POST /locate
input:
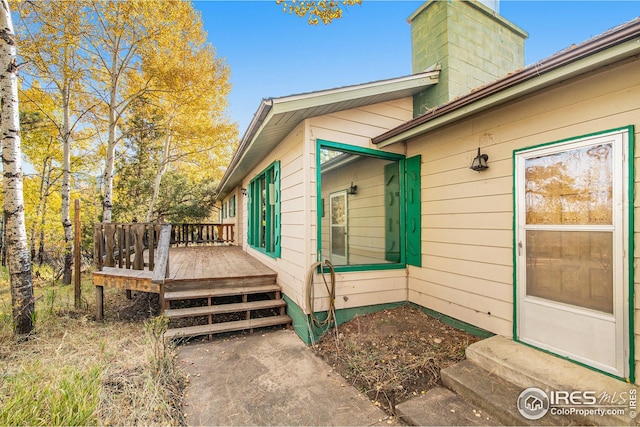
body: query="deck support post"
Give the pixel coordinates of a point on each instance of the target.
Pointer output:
(278, 296)
(162, 301)
(99, 302)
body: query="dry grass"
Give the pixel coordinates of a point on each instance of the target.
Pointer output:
(75, 371)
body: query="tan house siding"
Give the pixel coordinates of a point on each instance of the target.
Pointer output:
(467, 217)
(236, 219)
(291, 265)
(358, 126)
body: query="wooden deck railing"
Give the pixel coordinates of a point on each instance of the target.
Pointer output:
(124, 245)
(195, 234)
(144, 247)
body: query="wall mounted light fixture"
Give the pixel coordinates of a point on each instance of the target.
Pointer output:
(479, 163)
(353, 189)
(243, 191)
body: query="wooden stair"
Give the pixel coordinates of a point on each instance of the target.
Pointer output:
(227, 309)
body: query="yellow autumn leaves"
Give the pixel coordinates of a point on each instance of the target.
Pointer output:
(316, 11)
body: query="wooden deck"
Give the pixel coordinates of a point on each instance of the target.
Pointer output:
(213, 262)
(217, 265)
(240, 292)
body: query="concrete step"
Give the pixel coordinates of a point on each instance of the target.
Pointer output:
(495, 396)
(216, 328)
(220, 292)
(441, 407)
(526, 367)
(177, 313)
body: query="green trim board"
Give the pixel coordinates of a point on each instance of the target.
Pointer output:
(357, 150)
(631, 196)
(299, 320)
(302, 321)
(630, 245)
(364, 267)
(413, 209)
(452, 321)
(514, 246)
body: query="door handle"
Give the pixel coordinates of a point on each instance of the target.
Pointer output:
(519, 248)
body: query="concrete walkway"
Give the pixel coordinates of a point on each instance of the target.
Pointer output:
(269, 378)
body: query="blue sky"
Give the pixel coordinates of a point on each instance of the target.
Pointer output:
(271, 53)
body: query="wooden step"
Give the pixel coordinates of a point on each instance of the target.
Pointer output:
(223, 308)
(219, 292)
(216, 328)
(203, 283)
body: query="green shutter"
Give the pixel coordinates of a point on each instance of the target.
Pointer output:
(250, 219)
(413, 228)
(392, 212)
(276, 208)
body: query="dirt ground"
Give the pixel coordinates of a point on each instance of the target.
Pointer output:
(395, 354)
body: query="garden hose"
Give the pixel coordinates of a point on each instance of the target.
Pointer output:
(331, 291)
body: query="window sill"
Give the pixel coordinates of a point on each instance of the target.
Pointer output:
(263, 251)
(365, 267)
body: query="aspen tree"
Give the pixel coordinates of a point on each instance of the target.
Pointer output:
(51, 46)
(18, 259)
(189, 95)
(123, 29)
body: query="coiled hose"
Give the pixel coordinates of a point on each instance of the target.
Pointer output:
(316, 324)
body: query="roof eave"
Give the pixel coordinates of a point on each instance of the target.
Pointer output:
(256, 123)
(609, 48)
(273, 106)
(296, 102)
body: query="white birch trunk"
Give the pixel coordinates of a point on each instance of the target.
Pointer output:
(18, 261)
(164, 162)
(43, 218)
(107, 203)
(39, 209)
(66, 184)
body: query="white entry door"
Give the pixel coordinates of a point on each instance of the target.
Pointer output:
(338, 227)
(571, 256)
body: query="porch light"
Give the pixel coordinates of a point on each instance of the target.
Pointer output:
(243, 191)
(353, 189)
(480, 162)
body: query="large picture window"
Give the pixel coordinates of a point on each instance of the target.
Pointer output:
(361, 207)
(264, 211)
